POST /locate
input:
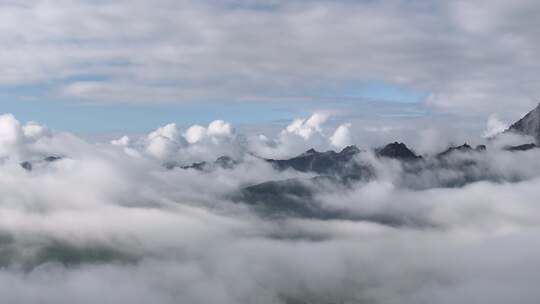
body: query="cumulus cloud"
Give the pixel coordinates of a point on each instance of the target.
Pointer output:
(306, 128)
(11, 133)
(18, 140)
(164, 142)
(219, 138)
(122, 141)
(34, 131)
(301, 134)
(195, 133)
(219, 128)
(342, 136)
(215, 130)
(196, 143)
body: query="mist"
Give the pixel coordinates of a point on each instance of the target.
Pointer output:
(112, 223)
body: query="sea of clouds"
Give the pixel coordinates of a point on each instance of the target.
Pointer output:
(109, 223)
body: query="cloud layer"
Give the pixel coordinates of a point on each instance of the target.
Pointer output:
(478, 57)
(110, 223)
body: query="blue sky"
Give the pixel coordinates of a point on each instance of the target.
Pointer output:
(37, 104)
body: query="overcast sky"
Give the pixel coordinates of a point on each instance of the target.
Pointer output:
(101, 66)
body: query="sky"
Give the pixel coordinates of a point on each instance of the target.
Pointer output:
(145, 151)
(98, 66)
(90, 117)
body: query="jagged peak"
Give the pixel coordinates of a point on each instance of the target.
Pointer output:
(309, 152)
(465, 147)
(528, 124)
(225, 162)
(397, 150)
(350, 150)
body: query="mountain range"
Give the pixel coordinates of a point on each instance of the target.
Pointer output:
(336, 171)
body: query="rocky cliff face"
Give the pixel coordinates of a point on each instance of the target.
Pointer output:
(528, 125)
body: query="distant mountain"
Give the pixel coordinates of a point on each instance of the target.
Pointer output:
(326, 163)
(29, 165)
(290, 197)
(340, 163)
(528, 124)
(334, 172)
(524, 147)
(298, 198)
(463, 148)
(397, 151)
(223, 162)
(337, 171)
(295, 197)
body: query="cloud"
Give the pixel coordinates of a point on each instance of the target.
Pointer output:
(11, 133)
(122, 141)
(342, 136)
(18, 140)
(216, 129)
(163, 142)
(300, 135)
(219, 138)
(494, 126)
(470, 58)
(306, 128)
(195, 133)
(197, 143)
(109, 223)
(96, 217)
(219, 128)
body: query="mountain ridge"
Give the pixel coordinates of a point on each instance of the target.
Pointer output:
(528, 124)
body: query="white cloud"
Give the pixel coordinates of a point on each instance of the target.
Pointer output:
(196, 143)
(307, 128)
(494, 126)
(195, 133)
(33, 130)
(219, 128)
(472, 58)
(11, 134)
(342, 136)
(72, 229)
(122, 141)
(19, 141)
(216, 129)
(164, 142)
(300, 135)
(168, 131)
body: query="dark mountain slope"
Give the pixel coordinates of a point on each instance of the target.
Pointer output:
(328, 163)
(397, 151)
(528, 124)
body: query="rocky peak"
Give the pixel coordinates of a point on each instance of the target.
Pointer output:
(528, 124)
(463, 148)
(398, 151)
(225, 162)
(350, 150)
